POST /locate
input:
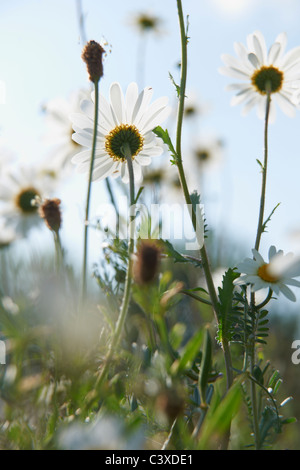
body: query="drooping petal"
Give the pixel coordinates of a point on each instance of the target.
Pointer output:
(287, 292)
(117, 102)
(130, 101)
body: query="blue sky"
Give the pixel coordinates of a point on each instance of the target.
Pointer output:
(40, 60)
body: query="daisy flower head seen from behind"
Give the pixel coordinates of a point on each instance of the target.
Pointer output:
(19, 188)
(276, 274)
(123, 121)
(263, 70)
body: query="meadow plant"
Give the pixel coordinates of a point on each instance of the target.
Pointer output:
(134, 352)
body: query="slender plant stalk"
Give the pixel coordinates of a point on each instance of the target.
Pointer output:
(128, 281)
(260, 229)
(113, 201)
(80, 16)
(260, 226)
(58, 252)
(85, 249)
(203, 253)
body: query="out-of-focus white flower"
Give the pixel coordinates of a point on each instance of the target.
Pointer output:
(207, 153)
(107, 433)
(7, 234)
(128, 120)
(9, 305)
(276, 274)
(260, 69)
(59, 128)
(18, 189)
(146, 22)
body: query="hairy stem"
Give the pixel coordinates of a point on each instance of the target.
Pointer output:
(87, 208)
(203, 253)
(260, 229)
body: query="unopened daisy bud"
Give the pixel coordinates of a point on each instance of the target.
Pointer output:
(49, 210)
(92, 56)
(147, 262)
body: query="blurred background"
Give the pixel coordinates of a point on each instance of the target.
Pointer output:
(41, 44)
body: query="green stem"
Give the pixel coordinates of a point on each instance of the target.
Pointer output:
(260, 229)
(113, 201)
(58, 252)
(85, 249)
(260, 224)
(254, 400)
(203, 253)
(127, 288)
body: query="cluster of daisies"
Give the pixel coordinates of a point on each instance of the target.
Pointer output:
(130, 119)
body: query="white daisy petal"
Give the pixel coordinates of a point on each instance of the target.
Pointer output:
(128, 120)
(130, 100)
(143, 160)
(274, 53)
(101, 172)
(253, 59)
(285, 104)
(117, 102)
(141, 104)
(287, 292)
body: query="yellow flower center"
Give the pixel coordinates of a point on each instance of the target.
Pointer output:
(24, 200)
(120, 135)
(264, 273)
(271, 75)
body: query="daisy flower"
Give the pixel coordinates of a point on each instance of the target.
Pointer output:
(276, 274)
(18, 190)
(259, 69)
(128, 119)
(7, 234)
(208, 151)
(59, 128)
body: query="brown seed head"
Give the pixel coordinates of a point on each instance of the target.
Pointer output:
(170, 403)
(147, 262)
(49, 210)
(92, 56)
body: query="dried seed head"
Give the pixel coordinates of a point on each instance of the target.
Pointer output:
(170, 403)
(147, 262)
(49, 210)
(92, 56)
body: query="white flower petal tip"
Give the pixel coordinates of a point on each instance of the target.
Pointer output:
(125, 121)
(276, 274)
(256, 67)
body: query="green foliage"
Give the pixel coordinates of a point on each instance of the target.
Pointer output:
(229, 316)
(164, 135)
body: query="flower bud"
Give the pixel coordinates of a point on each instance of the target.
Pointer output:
(92, 56)
(147, 262)
(49, 210)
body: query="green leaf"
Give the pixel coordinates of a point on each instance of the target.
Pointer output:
(164, 135)
(177, 87)
(171, 252)
(220, 414)
(227, 320)
(205, 367)
(268, 421)
(191, 350)
(264, 226)
(258, 375)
